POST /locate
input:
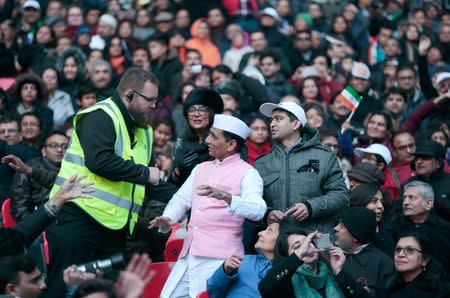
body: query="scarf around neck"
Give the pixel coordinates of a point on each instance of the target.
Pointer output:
(308, 285)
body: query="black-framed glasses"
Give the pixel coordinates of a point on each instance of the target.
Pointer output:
(201, 111)
(63, 146)
(408, 250)
(150, 99)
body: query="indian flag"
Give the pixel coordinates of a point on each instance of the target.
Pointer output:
(350, 97)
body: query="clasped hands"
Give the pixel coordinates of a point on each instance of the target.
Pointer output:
(298, 213)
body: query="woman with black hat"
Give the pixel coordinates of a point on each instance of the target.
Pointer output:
(199, 108)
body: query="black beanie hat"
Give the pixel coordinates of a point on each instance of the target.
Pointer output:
(360, 222)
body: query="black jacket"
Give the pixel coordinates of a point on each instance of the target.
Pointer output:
(166, 72)
(278, 281)
(425, 285)
(370, 268)
(28, 192)
(440, 182)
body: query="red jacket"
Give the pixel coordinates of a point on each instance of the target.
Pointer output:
(232, 5)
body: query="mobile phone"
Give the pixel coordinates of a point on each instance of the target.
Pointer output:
(196, 68)
(323, 242)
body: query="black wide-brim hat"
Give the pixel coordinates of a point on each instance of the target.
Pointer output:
(206, 97)
(430, 149)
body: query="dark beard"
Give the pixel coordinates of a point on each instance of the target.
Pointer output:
(140, 119)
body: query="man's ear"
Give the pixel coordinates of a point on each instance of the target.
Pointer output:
(10, 289)
(232, 146)
(297, 125)
(429, 204)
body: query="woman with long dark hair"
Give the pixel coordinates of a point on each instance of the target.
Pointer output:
(297, 270)
(29, 94)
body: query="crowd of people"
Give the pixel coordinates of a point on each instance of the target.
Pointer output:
(304, 145)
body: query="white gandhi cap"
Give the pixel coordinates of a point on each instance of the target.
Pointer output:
(231, 124)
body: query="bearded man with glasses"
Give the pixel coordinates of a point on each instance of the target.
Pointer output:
(112, 145)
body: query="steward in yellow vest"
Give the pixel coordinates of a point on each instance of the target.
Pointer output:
(112, 145)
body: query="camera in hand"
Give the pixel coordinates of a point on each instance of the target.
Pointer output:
(115, 262)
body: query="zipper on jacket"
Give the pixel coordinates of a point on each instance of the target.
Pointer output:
(288, 183)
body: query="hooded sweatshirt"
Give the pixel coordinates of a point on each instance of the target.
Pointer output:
(209, 52)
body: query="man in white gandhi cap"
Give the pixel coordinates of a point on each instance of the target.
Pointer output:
(221, 194)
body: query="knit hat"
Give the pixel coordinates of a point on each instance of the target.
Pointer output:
(360, 70)
(367, 173)
(306, 18)
(360, 222)
(203, 96)
(110, 20)
(230, 87)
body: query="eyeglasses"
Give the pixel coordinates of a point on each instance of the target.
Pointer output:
(30, 124)
(8, 131)
(201, 111)
(63, 146)
(150, 99)
(407, 250)
(405, 147)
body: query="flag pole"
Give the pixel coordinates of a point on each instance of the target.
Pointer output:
(351, 115)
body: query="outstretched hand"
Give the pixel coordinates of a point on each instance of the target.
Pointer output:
(71, 189)
(209, 191)
(17, 164)
(424, 45)
(162, 222)
(137, 275)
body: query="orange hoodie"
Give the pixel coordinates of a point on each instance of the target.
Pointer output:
(210, 53)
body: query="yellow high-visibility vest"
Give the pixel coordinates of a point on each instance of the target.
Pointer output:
(114, 203)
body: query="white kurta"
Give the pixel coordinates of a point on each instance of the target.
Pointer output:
(189, 275)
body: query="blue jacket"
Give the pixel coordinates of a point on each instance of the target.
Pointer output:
(243, 282)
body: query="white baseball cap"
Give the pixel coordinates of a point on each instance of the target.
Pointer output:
(267, 108)
(442, 77)
(269, 11)
(231, 124)
(379, 149)
(31, 4)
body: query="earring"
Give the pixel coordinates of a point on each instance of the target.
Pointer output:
(424, 266)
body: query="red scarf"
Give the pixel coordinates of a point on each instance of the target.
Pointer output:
(255, 151)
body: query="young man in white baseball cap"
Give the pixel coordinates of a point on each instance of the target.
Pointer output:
(302, 178)
(221, 194)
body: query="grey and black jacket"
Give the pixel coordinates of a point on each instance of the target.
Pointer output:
(308, 173)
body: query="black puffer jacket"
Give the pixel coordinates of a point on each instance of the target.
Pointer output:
(27, 192)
